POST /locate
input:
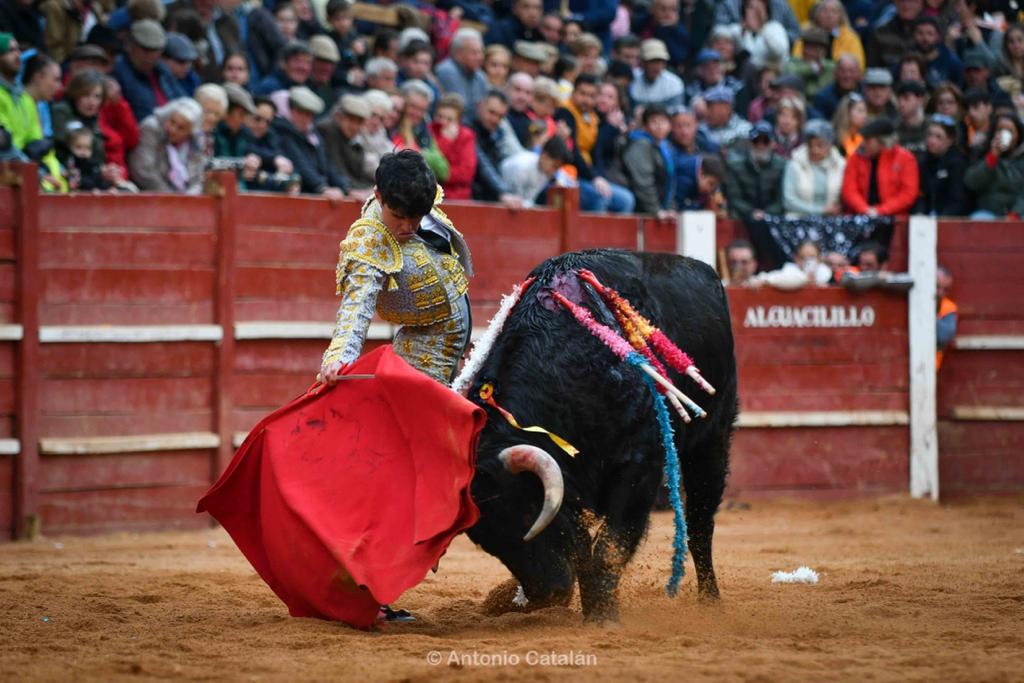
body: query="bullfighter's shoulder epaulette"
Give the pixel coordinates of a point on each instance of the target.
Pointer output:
(369, 241)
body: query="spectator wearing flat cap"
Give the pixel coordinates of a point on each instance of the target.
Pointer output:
(881, 178)
(325, 61)
(65, 23)
(710, 70)
(813, 68)
(911, 125)
(295, 68)
(88, 57)
(814, 174)
(530, 58)
(878, 95)
(722, 125)
(231, 138)
(754, 184)
(340, 135)
(978, 75)
(300, 142)
(656, 84)
(145, 81)
(179, 57)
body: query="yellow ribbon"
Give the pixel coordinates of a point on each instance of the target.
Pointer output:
(487, 396)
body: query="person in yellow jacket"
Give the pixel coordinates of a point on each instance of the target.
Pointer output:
(18, 114)
(830, 15)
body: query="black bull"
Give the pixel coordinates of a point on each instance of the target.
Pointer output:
(547, 370)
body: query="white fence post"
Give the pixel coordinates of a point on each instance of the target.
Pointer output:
(695, 235)
(924, 445)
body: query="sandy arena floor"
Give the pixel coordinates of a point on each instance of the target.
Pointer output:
(909, 591)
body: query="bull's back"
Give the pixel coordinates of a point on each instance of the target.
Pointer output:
(683, 297)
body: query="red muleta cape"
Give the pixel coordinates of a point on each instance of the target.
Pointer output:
(346, 497)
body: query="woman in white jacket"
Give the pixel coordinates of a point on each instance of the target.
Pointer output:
(763, 37)
(814, 175)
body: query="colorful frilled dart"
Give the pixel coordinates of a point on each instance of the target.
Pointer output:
(621, 348)
(641, 332)
(673, 473)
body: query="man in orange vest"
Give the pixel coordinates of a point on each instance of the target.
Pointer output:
(947, 313)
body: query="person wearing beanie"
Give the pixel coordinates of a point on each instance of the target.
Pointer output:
(881, 178)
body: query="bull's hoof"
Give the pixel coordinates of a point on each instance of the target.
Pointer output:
(607, 617)
(708, 593)
(501, 599)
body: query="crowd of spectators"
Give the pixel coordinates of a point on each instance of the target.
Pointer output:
(744, 107)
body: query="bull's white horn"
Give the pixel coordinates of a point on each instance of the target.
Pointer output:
(525, 458)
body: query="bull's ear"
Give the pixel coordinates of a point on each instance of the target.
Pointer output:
(527, 458)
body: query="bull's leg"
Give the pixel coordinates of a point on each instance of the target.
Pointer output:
(704, 483)
(555, 590)
(615, 541)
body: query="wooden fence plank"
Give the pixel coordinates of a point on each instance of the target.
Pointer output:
(97, 472)
(26, 464)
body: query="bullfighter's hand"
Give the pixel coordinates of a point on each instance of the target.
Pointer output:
(329, 374)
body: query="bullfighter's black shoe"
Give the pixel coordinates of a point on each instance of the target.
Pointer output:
(399, 615)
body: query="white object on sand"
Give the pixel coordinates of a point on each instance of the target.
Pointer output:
(801, 575)
(520, 599)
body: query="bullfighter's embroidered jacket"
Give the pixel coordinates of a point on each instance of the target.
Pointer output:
(409, 284)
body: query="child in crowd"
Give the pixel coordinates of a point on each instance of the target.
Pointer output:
(83, 172)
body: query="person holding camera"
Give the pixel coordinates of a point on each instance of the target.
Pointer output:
(996, 179)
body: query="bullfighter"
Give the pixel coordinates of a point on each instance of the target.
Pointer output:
(403, 258)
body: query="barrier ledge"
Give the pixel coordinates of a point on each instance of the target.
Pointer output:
(130, 334)
(988, 413)
(836, 418)
(141, 443)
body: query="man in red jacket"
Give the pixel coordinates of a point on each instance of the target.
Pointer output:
(881, 179)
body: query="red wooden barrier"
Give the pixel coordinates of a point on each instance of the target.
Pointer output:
(220, 268)
(820, 351)
(981, 382)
